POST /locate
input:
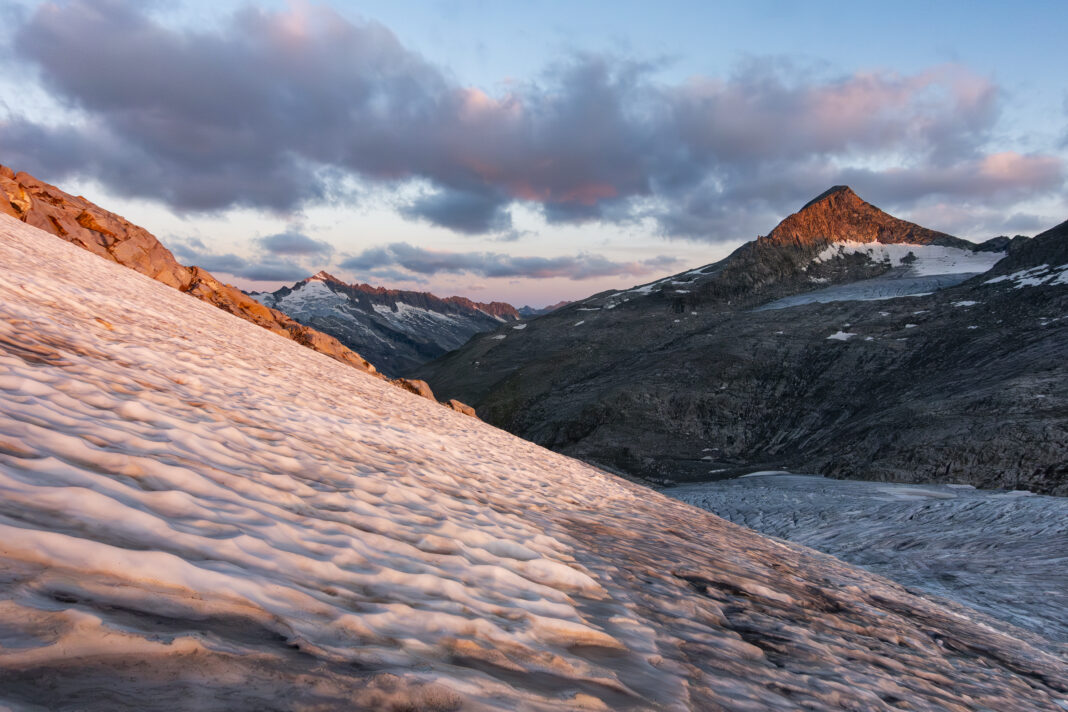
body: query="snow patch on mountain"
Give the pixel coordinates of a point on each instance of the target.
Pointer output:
(915, 270)
(922, 260)
(1042, 275)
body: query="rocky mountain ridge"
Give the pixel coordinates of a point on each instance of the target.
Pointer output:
(891, 352)
(81, 222)
(795, 256)
(398, 330)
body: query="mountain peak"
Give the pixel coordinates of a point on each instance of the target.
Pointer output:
(841, 191)
(840, 215)
(324, 276)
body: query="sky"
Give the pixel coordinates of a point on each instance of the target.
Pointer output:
(530, 152)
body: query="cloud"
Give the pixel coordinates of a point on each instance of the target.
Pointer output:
(422, 261)
(266, 269)
(979, 223)
(472, 213)
(294, 243)
(275, 109)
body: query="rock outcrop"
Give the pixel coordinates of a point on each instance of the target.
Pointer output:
(112, 237)
(79, 221)
(791, 354)
(461, 407)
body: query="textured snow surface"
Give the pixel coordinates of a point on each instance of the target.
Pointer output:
(1005, 553)
(198, 514)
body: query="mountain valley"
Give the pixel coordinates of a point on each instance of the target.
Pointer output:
(846, 343)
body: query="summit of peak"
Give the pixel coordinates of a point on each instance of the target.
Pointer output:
(840, 215)
(841, 191)
(324, 276)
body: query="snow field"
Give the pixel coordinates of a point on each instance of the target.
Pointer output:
(930, 260)
(295, 498)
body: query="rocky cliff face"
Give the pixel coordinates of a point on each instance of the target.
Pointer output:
(398, 330)
(815, 349)
(840, 215)
(112, 237)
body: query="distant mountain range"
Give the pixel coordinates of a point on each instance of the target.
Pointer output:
(527, 311)
(846, 342)
(396, 330)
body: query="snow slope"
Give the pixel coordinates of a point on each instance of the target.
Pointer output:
(198, 514)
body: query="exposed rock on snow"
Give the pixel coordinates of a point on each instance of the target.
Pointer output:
(227, 521)
(1034, 276)
(918, 260)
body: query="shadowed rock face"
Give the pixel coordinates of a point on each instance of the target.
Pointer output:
(238, 545)
(1048, 249)
(694, 376)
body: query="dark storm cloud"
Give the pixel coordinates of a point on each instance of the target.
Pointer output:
(271, 110)
(493, 264)
(466, 212)
(294, 243)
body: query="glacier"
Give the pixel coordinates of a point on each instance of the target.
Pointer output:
(1004, 552)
